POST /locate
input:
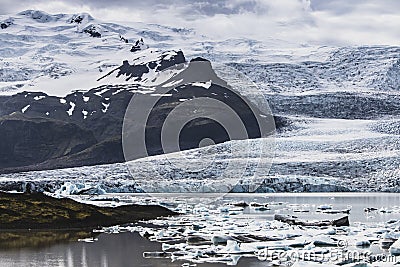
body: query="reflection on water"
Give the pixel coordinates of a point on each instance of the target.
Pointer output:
(38, 239)
(47, 248)
(117, 250)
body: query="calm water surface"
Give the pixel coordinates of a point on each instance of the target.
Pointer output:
(126, 249)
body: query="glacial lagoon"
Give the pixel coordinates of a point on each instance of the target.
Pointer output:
(373, 216)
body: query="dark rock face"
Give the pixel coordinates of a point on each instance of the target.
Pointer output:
(83, 128)
(26, 141)
(38, 131)
(139, 45)
(46, 136)
(196, 130)
(123, 39)
(92, 31)
(132, 70)
(108, 151)
(135, 72)
(5, 24)
(171, 61)
(78, 19)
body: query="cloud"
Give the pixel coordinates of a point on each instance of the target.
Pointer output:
(316, 22)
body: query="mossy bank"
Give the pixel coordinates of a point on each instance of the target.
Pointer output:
(38, 211)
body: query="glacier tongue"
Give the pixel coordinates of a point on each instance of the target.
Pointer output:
(309, 158)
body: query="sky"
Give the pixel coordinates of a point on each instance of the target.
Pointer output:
(314, 22)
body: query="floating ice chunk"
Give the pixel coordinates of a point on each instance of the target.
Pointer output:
(223, 209)
(363, 243)
(395, 248)
(200, 209)
(391, 235)
(264, 208)
(231, 247)
(332, 211)
(236, 209)
(325, 207)
(85, 98)
(63, 101)
(386, 242)
(155, 255)
(87, 240)
(329, 231)
(197, 240)
(309, 247)
(165, 246)
(113, 230)
(325, 241)
(162, 233)
(220, 239)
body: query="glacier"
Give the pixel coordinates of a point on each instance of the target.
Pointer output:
(341, 104)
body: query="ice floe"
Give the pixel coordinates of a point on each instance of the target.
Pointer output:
(225, 233)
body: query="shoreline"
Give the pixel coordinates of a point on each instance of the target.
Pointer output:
(40, 212)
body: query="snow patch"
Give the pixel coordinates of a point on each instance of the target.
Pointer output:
(71, 110)
(205, 85)
(99, 93)
(85, 113)
(39, 97)
(24, 109)
(105, 105)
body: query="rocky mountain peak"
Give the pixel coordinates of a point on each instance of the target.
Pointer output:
(80, 18)
(139, 46)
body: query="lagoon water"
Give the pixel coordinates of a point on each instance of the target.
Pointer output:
(126, 249)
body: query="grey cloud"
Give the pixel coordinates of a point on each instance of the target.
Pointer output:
(202, 7)
(340, 7)
(322, 22)
(211, 8)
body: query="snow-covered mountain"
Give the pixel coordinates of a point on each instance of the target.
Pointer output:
(59, 53)
(337, 108)
(41, 51)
